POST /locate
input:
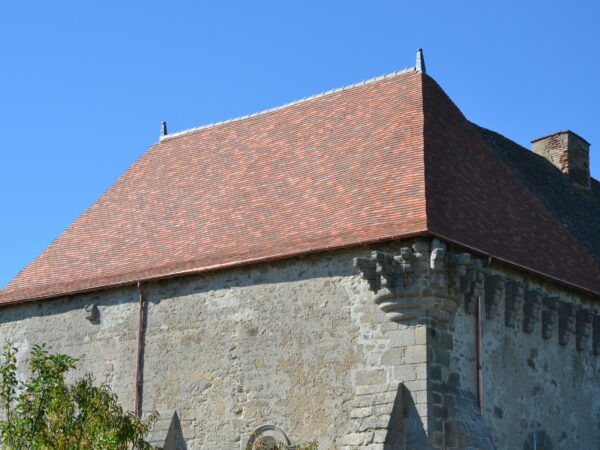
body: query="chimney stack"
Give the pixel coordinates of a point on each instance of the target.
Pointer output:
(569, 152)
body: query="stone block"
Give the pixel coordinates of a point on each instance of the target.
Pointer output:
(393, 357)
(353, 439)
(380, 399)
(382, 410)
(374, 423)
(361, 413)
(420, 335)
(373, 447)
(388, 326)
(435, 373)
(406, 372)
(374, 399)
(442, 357)
(403, 337)
(417, 385)
(379, 436)
(376, 388)
(369, 377)
(416, 354)
(420, 396)
(421, 370)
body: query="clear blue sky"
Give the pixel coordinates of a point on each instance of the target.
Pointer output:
(85, 85)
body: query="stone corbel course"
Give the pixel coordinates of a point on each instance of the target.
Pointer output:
(515, 294)
(494, 293)
(531, 309)
(549, 314)
(422, 281)
(426, 281)
(583, 328)
(596, 335)
(566, 322)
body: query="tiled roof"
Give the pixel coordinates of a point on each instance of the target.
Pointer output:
(479, 199)
(326, 172)
(577, 210)
(377, 161)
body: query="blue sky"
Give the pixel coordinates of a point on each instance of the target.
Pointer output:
(85, 85)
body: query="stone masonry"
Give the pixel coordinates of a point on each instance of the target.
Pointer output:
(370, 348)
(538, 351)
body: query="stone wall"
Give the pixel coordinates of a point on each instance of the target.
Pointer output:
(539, 348)
(540, 375)
(359, 350)
(234, 350)
(106, 348)
(286, 343)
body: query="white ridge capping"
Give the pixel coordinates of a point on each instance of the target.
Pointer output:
(286, 105)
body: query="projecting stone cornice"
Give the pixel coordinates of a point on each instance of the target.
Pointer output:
(425, 280)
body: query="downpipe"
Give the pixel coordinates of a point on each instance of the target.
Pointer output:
(478, 345)
(139, 351)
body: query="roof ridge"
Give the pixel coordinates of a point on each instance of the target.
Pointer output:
(286, 105)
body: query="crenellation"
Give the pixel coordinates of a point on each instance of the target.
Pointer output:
(515, 294)
(494, 294)
(459, 264)
(406, 266)
(421, 256)
(411, 285)
(388, 270)
(425, 281)
(549, 316)
(566, 322)
(596, 334)
(368, 270)
(583, 328)
(438, 264)
(531, 309)
(419, 281)
(475, 280)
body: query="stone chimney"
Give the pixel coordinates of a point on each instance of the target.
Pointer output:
(569, 152)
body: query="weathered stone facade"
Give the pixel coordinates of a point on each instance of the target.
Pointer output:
(538, 350)
(358, 349)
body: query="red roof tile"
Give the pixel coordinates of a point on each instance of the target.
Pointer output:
(336, 170)
(377, 161)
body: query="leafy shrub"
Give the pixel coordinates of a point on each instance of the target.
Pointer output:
(43, 412)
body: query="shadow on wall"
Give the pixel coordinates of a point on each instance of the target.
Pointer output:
(405, 428)
(167, 434)
(336, 264)
(459, 426)
(538, 440)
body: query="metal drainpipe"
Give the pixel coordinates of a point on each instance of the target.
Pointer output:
(478, 339)
(140, 348)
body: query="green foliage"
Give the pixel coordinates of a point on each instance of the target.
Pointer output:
(43, 412)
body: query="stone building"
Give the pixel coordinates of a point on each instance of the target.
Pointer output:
(364, 267)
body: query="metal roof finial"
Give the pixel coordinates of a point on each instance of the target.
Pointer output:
(163, 129)
(420, 61)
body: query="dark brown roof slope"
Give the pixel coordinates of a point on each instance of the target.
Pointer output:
(378, 161)
(476, 199)
(577, 210)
